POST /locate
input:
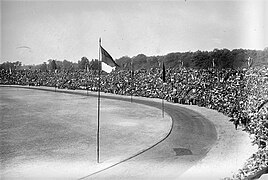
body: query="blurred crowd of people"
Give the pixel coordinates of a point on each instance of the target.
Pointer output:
(256, 109)
(241, 94)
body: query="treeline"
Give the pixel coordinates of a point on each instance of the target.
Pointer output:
(52, 65)
(222, 58)
(219, 58)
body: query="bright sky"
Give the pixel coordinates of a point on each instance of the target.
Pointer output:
(35, 31)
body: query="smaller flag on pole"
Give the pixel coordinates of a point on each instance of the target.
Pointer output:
(87, 67)
(250, 62)
(132, 69)
(108, 64)
(213, 63)
(164, 73)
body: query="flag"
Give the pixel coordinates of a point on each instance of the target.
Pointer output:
(250, 62)
(108, 64)
(132, 69)
(164, 73)
(213, 63)
(87, 67)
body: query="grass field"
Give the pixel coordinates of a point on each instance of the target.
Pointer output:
(53, 135)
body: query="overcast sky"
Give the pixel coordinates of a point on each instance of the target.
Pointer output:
(35, 31)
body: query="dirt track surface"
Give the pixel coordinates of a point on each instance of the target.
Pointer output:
(191, 138)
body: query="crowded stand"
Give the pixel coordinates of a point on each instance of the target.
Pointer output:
(241, 94)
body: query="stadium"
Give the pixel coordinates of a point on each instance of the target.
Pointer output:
(134, 90)
(177, 143)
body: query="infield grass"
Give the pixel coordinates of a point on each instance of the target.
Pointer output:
(48, 135)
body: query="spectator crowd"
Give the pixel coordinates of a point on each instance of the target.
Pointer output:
(241, 94)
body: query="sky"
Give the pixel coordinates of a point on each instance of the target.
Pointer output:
(34, 31)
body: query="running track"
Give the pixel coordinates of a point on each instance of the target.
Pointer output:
(166, 160)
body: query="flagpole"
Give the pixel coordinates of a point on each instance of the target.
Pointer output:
(163, 81)
(132, 74)
(98, 122)
(131, 95)
(163, 100)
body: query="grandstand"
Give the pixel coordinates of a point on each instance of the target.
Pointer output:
(240, 94)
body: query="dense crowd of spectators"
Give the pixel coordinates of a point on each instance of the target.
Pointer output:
(256, 109)
(241, 94)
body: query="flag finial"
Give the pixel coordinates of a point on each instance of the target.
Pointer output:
(100, 40)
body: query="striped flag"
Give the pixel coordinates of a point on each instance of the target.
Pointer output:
(108, 64)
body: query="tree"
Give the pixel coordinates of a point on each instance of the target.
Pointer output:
(83, 63)
(94, 64)
(139, 61)
(239, 57)
(124, 62)
(152, 61)
(173, 59)
(66, 65)
(43, 67)
(202, 59)
(17, 64)
(53, 65)
(226, 59)
(187, 59)
(11, 65)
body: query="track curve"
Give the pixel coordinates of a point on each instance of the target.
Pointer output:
(190, 139)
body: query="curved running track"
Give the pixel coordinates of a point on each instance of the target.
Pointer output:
(190, 139)
(191, 132)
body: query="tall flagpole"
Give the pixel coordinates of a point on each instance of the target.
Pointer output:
(98, 123)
